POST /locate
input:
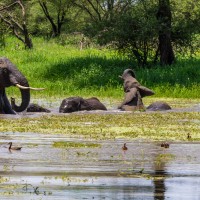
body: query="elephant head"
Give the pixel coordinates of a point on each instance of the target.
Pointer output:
(73, 104)
(11, 76)
(134, 91)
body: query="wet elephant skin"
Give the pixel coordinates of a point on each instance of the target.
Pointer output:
(73, 104)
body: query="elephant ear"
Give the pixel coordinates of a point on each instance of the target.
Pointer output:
(144, 91)
(130, 95)
(79, 102)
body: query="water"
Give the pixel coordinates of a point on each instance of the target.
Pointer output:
(145, 171)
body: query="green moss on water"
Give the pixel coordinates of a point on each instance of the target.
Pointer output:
(156, 126)
(75, 145)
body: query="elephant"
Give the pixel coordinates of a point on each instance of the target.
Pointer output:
(159, 106)
(73, 104)
(36, 108)
(11, 76)
(134, 92)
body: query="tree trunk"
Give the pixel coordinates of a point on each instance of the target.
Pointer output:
(165, 47)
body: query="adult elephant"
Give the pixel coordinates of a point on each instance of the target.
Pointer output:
(73, 104)
(134, 92)
(11, 76)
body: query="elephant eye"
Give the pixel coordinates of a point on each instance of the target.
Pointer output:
(5, 71)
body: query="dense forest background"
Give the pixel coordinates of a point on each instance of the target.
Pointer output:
(148, 31)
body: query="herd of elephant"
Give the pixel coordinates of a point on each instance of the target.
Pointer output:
(11, 76)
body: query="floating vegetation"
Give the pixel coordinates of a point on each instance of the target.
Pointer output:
(75, 145)
(164, 158)
(154, 126)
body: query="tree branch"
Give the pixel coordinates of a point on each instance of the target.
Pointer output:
(7, 7)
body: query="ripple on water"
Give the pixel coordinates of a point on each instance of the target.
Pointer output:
(144, 171)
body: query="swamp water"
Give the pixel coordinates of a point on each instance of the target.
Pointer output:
(146, 171)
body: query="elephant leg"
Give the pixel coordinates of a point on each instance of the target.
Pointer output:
(140, 104)
(5, 104)
(1, 105)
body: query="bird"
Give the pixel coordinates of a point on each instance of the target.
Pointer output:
(165, 145)
(124, 148)
(141, 171)
(13, 148)
(189, 136)
(162, 145)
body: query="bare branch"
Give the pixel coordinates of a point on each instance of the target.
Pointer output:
(15, 22)
(7, 7)
(81, 6)
(95, 9)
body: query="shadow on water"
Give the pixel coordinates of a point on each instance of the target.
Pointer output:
(43, 170)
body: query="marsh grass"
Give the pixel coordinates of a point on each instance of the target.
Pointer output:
(67, 71)
(171, 126)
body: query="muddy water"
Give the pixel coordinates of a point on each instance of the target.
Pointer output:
(145, 171)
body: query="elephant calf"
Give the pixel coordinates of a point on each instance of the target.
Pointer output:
(159, 106)
(134, 92)
(73, 104)
(36, 108)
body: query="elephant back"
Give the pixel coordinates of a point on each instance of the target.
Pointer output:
(95, 104)
(159, 106)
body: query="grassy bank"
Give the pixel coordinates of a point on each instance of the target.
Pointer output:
(67, 71)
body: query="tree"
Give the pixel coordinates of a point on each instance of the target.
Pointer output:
(146, 30)
(55, 11)
(185, 27)
(164, 20)
(15, 17)
(2, 39)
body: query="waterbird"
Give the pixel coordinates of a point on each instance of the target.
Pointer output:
(141, 171)
(189, 136)
(124, 148)
(165, 145)
(13, 148)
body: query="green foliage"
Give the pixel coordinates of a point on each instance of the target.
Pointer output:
(66, 71)
(135, 32)
(185, 26)
(2, 38)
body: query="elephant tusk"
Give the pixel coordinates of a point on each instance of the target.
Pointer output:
(25, 88)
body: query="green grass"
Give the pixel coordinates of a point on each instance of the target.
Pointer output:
(66, 71)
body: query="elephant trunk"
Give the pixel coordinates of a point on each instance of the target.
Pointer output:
(25, 94)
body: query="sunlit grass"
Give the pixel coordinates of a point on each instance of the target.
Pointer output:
(67, 71)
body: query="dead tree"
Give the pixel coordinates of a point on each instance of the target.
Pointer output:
(19, 27)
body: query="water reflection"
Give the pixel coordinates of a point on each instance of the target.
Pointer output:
(144, 171)
(159, 185)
